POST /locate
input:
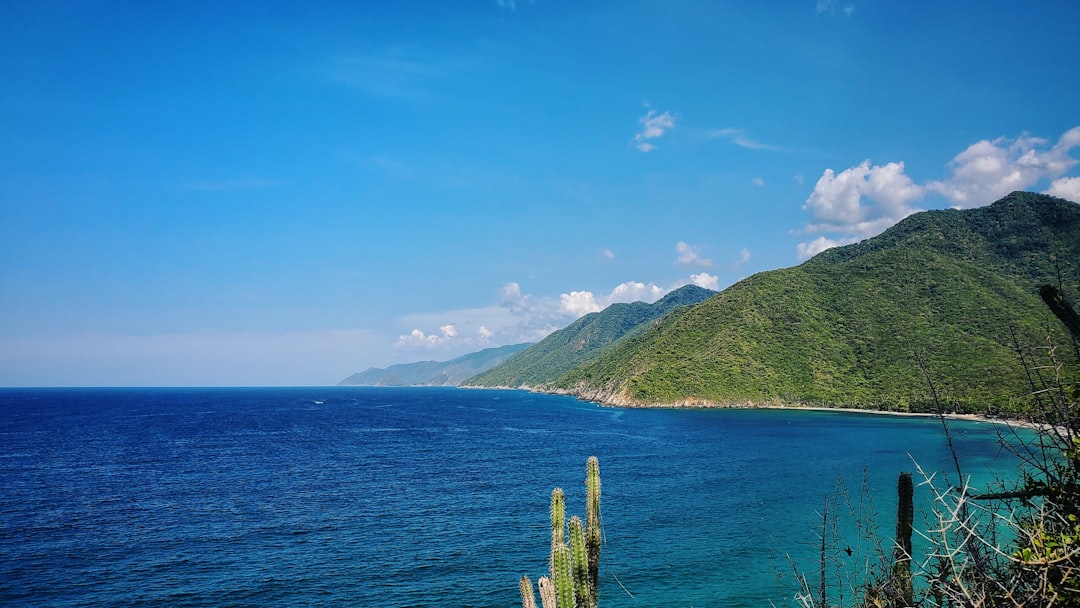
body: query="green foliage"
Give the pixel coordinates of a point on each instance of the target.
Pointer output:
(574, 563)
(847, 327)
(584, 340)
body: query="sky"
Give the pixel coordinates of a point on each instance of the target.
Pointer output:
(284, 193)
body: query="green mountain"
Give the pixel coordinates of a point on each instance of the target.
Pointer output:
(584, 340)
(942, 298)
(434, 373)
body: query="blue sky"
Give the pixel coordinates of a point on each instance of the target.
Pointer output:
(282, 194)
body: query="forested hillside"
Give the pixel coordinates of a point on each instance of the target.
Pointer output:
(943, 297)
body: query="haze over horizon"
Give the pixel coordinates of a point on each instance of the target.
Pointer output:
(273, 194)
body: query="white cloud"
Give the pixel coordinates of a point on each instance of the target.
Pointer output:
(806, 251)
(988, 170)
(417, 338)
(523, 317)
(1067, 188)
(449, 337)
(744, 257)
(860, 202)
(837, 204)
(632, 291)
(653, 126)
(518, 317)
(757, 181)
(706, 280)
(689, 256)
(739, 138)
(831, 6)
(608, 254)
(578, 303)
(512, 298)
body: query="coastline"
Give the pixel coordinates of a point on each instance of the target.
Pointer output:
(951, 416)
(703, 404)
(708, 405)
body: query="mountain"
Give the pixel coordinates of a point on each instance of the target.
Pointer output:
(584, 340)
(434, 373)
(942, 298)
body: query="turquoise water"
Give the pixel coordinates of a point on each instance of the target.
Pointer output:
(421, 497)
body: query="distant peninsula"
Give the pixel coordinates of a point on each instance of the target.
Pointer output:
(435, 373)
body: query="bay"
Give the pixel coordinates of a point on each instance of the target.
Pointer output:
(351, 496)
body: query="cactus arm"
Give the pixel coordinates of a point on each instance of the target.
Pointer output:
(560, 553)
(528, 598)
(579, 564)
(592, 527)
(558, 516)
(547, 592)
(905, 511)
(562, 576)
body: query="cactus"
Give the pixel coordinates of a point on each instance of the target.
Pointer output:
(528, 598)
(547, 592)
(560, 553)
(575, 565)
(562, 575)
(579, 563)
(592, 526)
(905, 512)
(558, 517)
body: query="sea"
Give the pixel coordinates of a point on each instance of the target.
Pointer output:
(395, 497)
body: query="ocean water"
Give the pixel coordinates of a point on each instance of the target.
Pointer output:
(352, 496)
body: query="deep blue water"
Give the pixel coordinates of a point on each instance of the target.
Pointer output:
(419, 497)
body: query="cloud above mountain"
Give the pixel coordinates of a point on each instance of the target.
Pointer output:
(864, 200)
(524, 317)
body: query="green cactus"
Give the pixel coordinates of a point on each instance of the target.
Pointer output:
(579, 563)
(575, 565)
(560, 553)
(562, 575)
(592, 526)
(558, 517)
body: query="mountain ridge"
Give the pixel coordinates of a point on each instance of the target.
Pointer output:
(583, 340)
(942, 295)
